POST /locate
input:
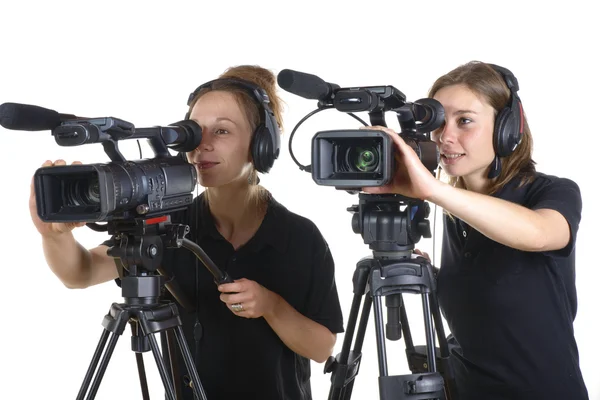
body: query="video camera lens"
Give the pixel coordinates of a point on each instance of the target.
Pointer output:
(82, 192)
(362, 159)
(352, 159)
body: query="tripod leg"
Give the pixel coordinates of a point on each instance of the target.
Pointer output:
(103, 364)
(346, 391)
(439, 325)
(429, 334)
(90, 372)
(162, 368)
(340, 366)
(169, 343)
(189, 363)
(446, 370)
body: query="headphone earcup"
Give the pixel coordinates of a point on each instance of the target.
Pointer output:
(506, 132)
(262, 150)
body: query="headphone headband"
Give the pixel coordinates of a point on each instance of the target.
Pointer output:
(257, 93)
(265, 140)
(509, 78)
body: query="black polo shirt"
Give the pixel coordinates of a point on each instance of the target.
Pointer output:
(511, 312)
(238, 357)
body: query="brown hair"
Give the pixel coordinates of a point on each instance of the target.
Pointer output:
(266, 80)
(489, 85)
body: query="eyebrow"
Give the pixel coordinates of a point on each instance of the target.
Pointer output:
(226, 119)
(459, 112)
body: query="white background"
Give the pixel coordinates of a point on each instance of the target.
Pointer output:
(138, 61)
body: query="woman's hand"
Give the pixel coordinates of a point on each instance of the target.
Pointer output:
(411, 177)
(247, 298)
(49, 228)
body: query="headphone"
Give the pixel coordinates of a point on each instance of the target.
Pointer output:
(508, 128)
(265, 143)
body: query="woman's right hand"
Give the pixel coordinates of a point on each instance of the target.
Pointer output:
(49, 228)
(411, 178)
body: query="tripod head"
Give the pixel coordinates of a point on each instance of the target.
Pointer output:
(138, 253)
(390, 224)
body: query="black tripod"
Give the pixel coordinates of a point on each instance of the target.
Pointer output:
(391, 232)
(138, 255)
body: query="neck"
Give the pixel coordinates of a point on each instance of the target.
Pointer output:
(477, 181)
(233, 208)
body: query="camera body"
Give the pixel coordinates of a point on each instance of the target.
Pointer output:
(116, 190)
(353, 159)
(121, 189)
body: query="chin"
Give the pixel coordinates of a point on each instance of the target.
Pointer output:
(209, 182)
(451, 171)
(216, 181)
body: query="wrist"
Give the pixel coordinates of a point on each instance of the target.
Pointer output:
(56, 237)
(438, 191)
(274, 302)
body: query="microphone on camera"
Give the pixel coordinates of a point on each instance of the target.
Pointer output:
(25, 117)
(306, 85)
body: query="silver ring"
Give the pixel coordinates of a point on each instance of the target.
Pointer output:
(237, 307)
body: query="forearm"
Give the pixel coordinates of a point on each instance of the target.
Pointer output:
(502, 221)
(301, 334)
(69, 261)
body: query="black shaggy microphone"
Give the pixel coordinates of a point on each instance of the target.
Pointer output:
(25, 117)
(306, 85)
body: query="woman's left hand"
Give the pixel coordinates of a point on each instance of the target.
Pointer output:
(247, 298)
(411, 178)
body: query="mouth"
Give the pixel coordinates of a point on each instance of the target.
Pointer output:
(451, 158)
(204, 165)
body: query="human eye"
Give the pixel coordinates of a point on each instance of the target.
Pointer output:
(221, 131)
(464, 121)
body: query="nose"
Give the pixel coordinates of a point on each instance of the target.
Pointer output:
(446, 134)
(205, 144)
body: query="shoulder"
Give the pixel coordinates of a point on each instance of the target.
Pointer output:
(555, 193)
(530, 190)
(294, 223)
(542, 180)
(550, 186)
(298, 227)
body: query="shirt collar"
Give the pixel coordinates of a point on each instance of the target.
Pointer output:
(272, 231)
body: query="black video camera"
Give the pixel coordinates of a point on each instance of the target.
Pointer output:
(118, 190)
(352, 159)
